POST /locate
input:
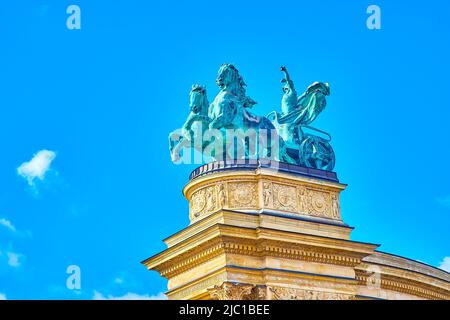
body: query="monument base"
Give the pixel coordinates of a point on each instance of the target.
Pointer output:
(276, 232)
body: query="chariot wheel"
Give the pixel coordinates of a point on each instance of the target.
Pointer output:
(316, 152)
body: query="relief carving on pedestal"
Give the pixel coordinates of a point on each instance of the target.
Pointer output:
(210, 195)
(284, 197)
(303, 199)
(198, 202)
(243, 195)
(267, 194)
(204, 201)
(294, 198)
(335, 206)
(222, 195)
(319, 203)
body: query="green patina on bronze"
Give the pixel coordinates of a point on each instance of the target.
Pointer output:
(230, 109)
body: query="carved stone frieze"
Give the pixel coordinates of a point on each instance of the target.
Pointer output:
(284, 197)
(241, 291)
(285, 293)
(267, 194)
(290, 197)
(233, 291)
(243, 195)
(319, 203)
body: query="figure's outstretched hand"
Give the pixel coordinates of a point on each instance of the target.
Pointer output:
(283, 68)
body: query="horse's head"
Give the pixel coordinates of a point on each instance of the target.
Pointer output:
(228, 76)
(229, 79)
(198, 101)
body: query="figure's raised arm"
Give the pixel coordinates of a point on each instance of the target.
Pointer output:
(289, 99)
(286, 78)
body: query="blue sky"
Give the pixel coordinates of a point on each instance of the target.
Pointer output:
(102, 101)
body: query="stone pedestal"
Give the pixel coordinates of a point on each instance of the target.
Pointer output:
(273, 232)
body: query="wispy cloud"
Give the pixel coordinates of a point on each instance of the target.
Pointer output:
(2, 296)
(126, 281)
(7, 224)
(37, 167)
(444, 201)
(129, 296)
(14, 259)
(445, 264)
(7, 254)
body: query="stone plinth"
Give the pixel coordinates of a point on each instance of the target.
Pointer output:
(259, 189)
(276, 232)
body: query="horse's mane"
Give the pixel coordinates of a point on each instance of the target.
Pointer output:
(198, 88)
(246, 100)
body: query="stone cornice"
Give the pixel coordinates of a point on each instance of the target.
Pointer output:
(233, 240)
(408, 286)
(261, 220)
(395, 261)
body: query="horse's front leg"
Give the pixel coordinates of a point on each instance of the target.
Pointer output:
(218, 122)
(224, 117)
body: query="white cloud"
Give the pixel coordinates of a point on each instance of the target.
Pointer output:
(118, 280)
(445, 264)
(37, 166)
(7, 224)
(14, 259)
(2, 296)
(129, 296)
